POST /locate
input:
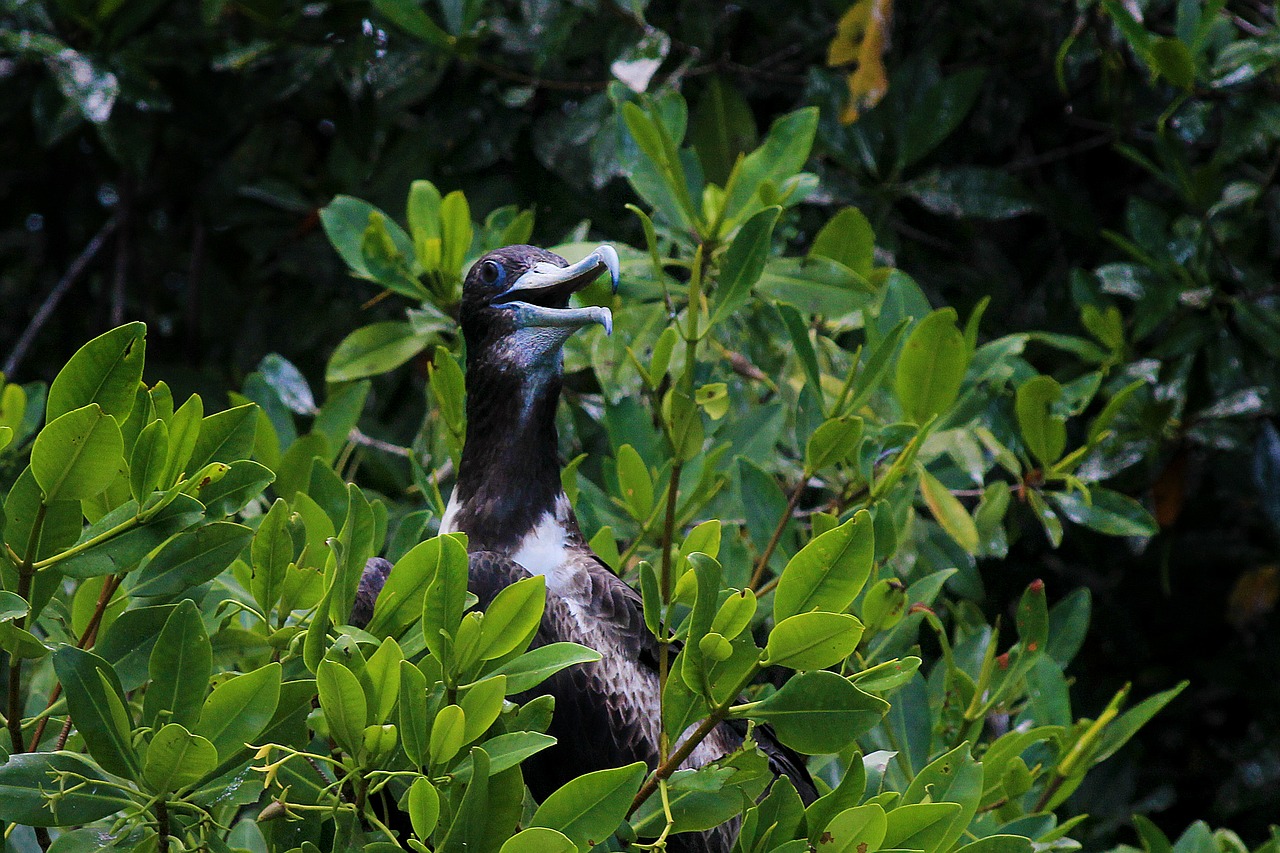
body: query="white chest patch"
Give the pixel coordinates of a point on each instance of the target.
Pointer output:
(544, 550)
(450, 514)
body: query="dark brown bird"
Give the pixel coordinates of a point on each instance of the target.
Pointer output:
(508, 500)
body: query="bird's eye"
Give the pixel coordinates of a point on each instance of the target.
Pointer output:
(490, 273)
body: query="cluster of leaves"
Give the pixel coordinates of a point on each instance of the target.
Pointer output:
(879, 401)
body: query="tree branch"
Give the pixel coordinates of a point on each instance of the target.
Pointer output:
(70, 277)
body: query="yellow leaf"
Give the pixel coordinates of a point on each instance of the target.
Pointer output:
(861, 37)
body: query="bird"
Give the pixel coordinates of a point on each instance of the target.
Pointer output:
(508, 500)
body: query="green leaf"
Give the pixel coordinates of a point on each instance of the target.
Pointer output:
(1172, 60)
(270, 555)
(931, 366)
(239, 483)
(937, 113)
(150, 454)
(446, 596)
(447, 734)
(1118, 732)
(883, 605)
(455, 231)
(1043, 430)
(482, 703)
(382, 680)
(512, 617)
(176, 758)
(1033, 617)
(1068, 624)
(999, 844)
(818, 712)
(345, 220)
(651, 137)
(374, 349)
(344, 705)
(184, 430)
(699, 799)
(847, 238)
(635, 482)
(415, 722)
(798, 331)
(225, 436)
(409, 16)
(424, 807)
(721, 128)
(954, 777)
(448, 388)
(812, 640)
(828, 573)
(239, 709)
(683, 420)
(1048, 519)
(123, 552)
(855, 830)
(539, 839)
(105, 371)
(949, 512)
(180, 665)
(920, 826)
(506, 751)
(744, 262)
(589, 808)
(537, 665)
(815, 286)
(1106, 511)
(191, 559)
(782, 155)
(78, 455)
(400, 602)
(832, 443)
(28, 782)
(975, 192)
(98, 709)
(352, 550)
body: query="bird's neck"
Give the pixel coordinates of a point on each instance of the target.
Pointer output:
(509, 476)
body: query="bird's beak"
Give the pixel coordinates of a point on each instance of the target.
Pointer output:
(540, 297)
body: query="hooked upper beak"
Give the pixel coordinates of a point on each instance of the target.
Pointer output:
(540, 297)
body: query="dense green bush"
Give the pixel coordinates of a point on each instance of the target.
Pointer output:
(1104, 174)
(845, 387)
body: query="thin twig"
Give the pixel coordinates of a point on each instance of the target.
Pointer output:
(121, 271)
(763, 562)
(86, 641)
(195, 272)
(70, 277)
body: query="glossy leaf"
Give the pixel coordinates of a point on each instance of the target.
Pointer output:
(536, 665)
(191, 559)
(27, 781)
(105, 371)
(238, 709)
(818, 712)
(829, 572)
(589, 808)
(180, 666)
(813, 640)
(98, 709)
(176, 758)
(78, 455)
(931, 366)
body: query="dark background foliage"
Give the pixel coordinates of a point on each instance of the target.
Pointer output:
(1082, 170)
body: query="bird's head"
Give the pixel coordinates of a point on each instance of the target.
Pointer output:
(515, 303)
